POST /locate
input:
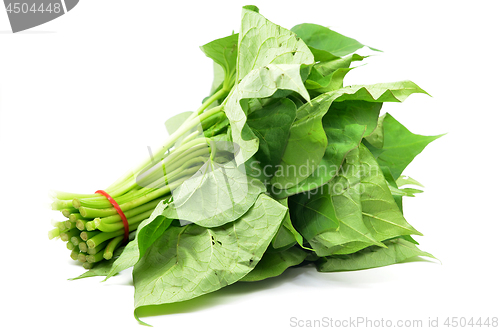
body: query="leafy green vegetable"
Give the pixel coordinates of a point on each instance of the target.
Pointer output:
(280, 166)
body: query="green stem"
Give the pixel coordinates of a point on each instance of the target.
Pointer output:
(216, 96)
(104, 236)
(98, 248)
(156, 193)
(160, 168)
(110, 248)
(83, 246)
(74, 253)
(93, 258)
(188, 125)
(119, 225)
(131, 213)
(86, 235)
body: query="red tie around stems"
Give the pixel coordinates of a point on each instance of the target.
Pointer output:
(119, 211)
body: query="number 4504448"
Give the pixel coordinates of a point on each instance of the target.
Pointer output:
(471, 322)
(20, 7)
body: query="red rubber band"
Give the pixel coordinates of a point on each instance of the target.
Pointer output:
(119, 211)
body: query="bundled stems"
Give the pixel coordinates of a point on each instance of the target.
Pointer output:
(93, 230)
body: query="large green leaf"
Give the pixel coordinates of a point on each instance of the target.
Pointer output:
(274, 263)
(400, 146)
(398, 250)
(186, 262)
(218, 193)
(326, 44)
(262, 43)
(269, 59)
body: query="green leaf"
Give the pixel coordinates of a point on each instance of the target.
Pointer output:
(313, 213)
(186, 262)
(269, 59)
(407, 180)
(275, 263)
(328, 67)
(345, 124)
(400, 146)
(260, 83)
(224, 52)
(383, 92)
(325, 43)
(398, 250)
(262, 43)
(217, 194)
(321, 84)
(404, 192)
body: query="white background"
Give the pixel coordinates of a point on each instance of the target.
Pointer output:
(83, 96)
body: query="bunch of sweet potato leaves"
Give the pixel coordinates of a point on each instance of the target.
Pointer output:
(312, 174)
